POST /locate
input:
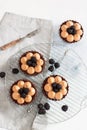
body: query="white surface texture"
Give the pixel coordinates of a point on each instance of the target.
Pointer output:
(57, 11)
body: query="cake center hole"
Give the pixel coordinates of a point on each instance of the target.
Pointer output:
(71, 30)
(32, 62)
(23, 92)
(56, 87)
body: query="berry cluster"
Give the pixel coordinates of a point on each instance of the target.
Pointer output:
(23, 92)
(42, 108)
(54, 65)
(32, 62)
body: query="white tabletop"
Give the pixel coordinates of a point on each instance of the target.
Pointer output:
(57, 11)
